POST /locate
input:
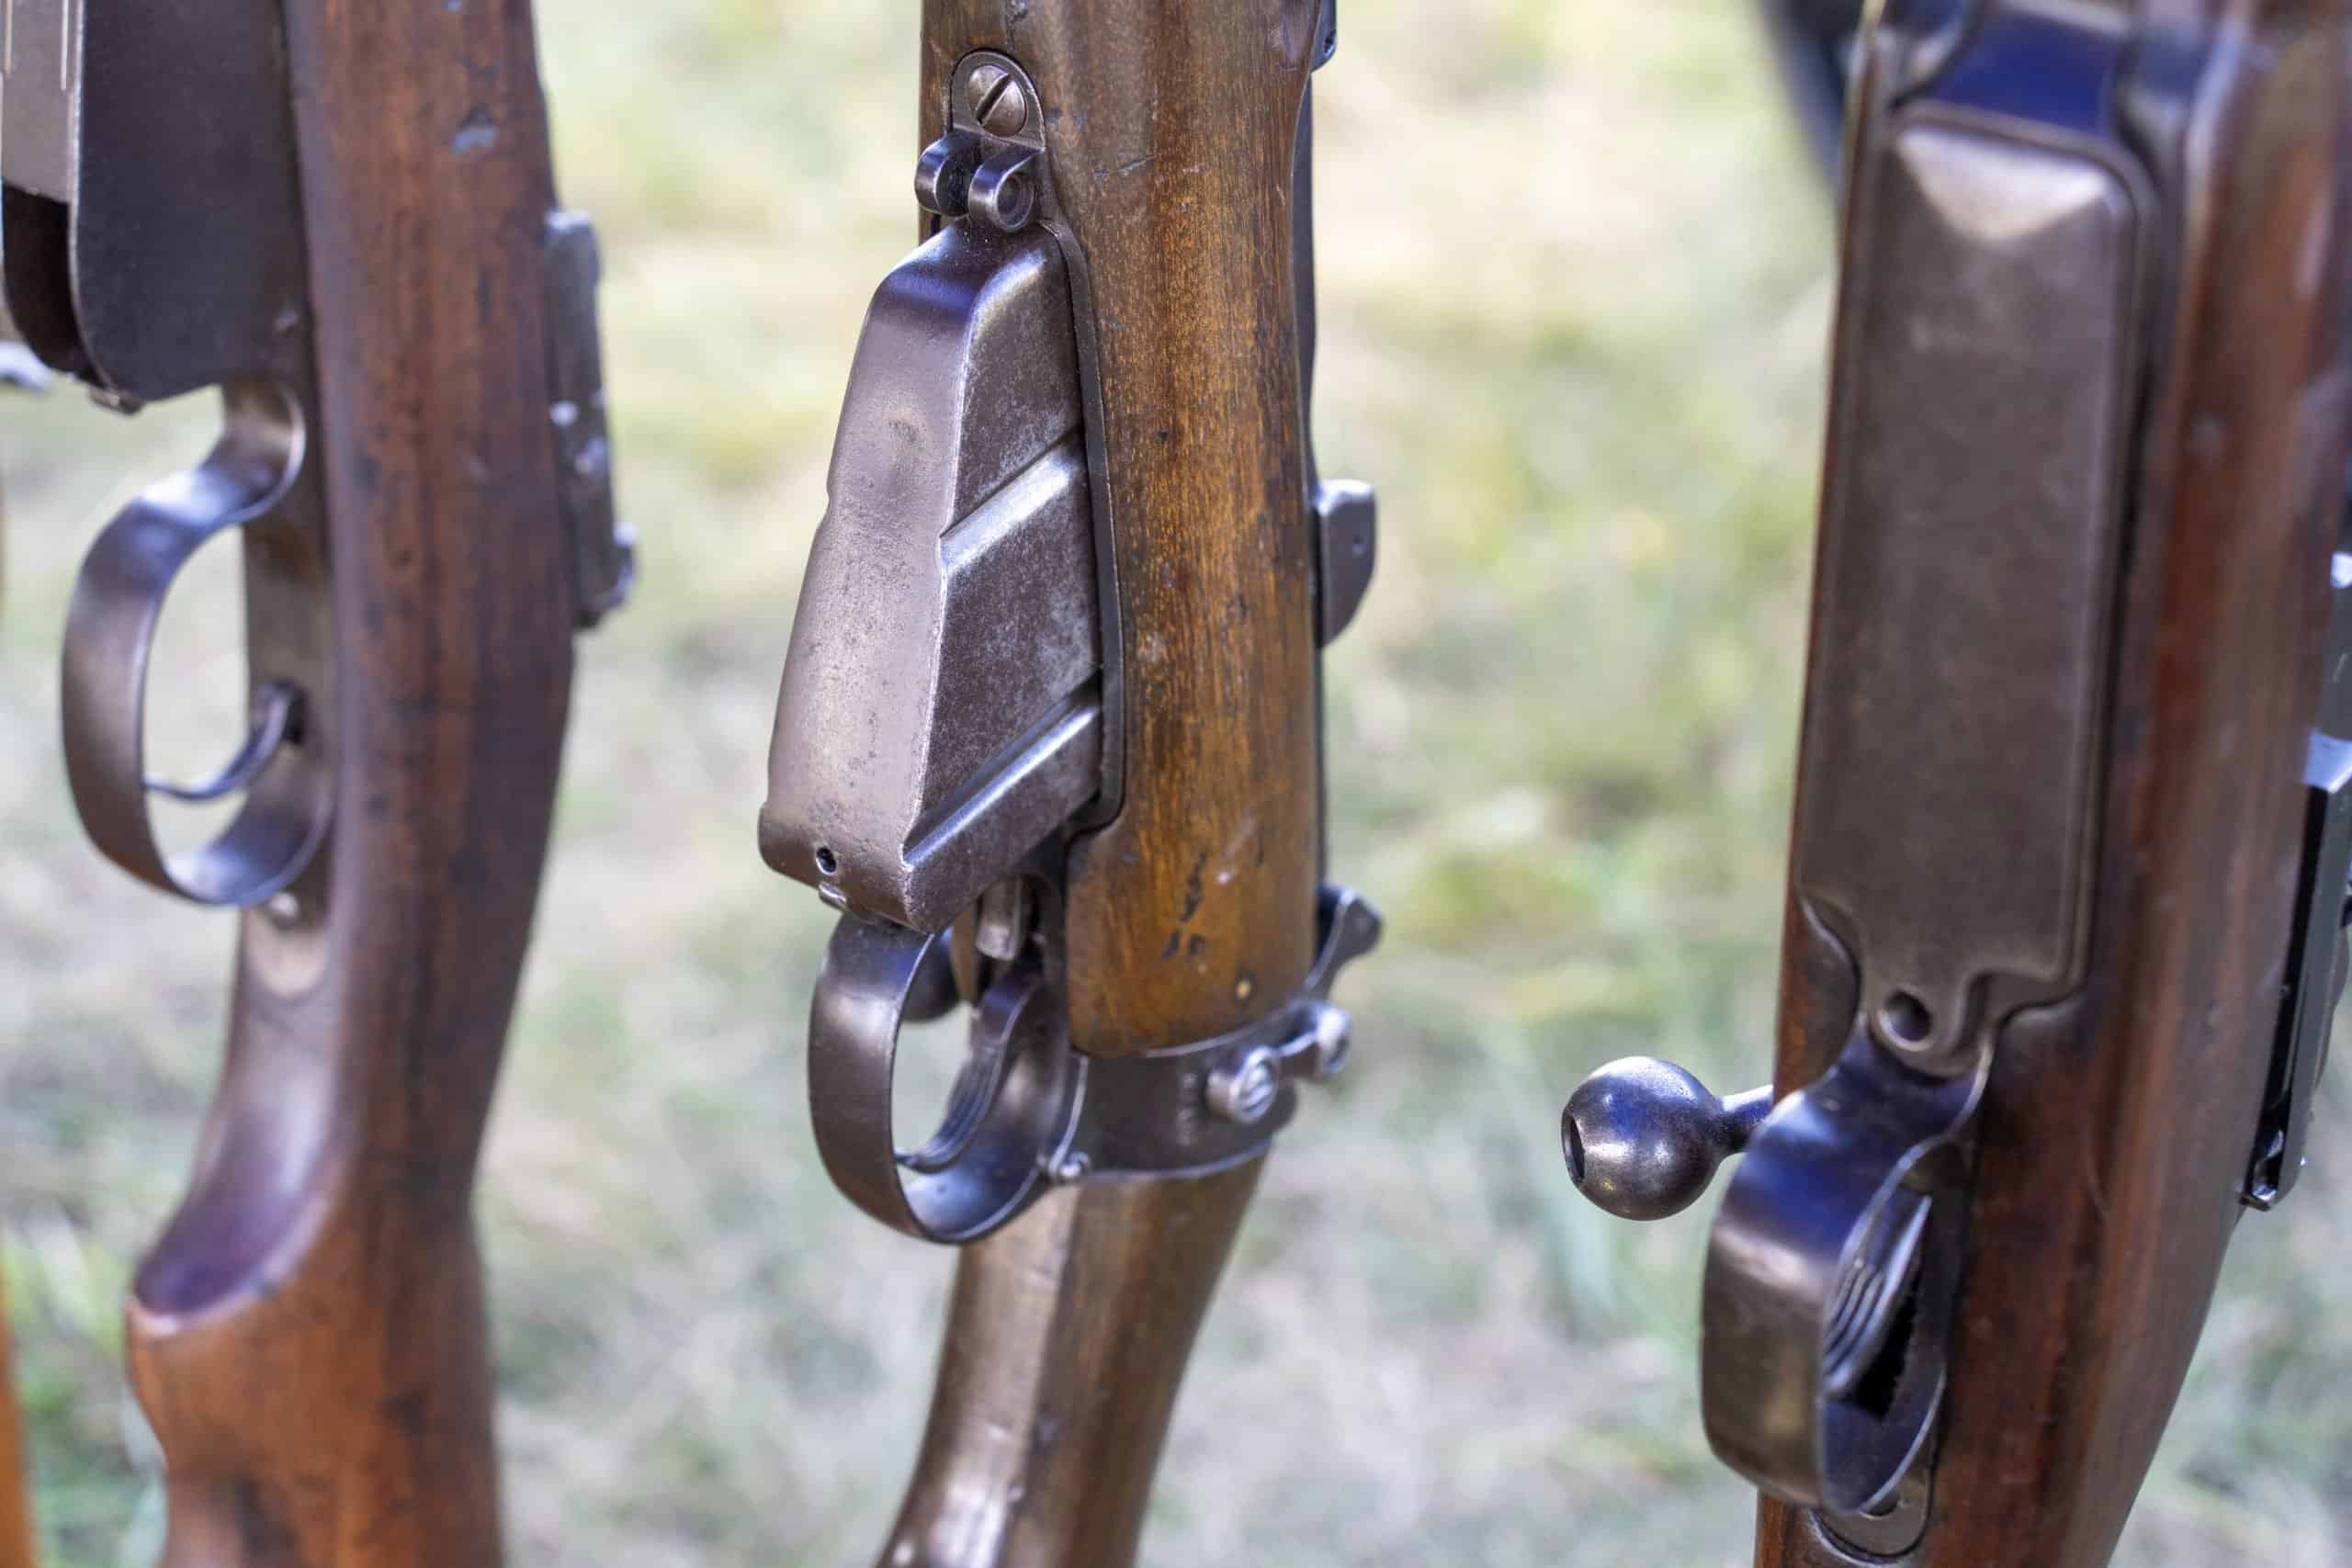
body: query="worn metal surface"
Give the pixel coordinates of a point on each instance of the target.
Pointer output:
(1027, 1108)
(1643, 1137)
(174, 123)
(2317, 958)
(939, 714)
(173, 261)
(1965, 577)
(604, 549)
(249, 483)
(1833, 1272)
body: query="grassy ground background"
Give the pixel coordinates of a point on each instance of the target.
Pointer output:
(1575, 283)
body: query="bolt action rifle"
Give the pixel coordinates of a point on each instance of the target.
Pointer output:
(343, 218)
(2074, 809)
(1049, 731)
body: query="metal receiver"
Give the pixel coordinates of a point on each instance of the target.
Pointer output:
(946, 720)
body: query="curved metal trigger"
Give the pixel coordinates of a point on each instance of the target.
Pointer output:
(1013, 1106)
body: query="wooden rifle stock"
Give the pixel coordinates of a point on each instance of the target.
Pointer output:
(1192, 913)
(2115, 1125)
(357, 242)
(2066, 885)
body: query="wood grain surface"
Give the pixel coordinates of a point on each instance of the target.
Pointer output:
(2117, 1125)
(1067, 1340)
(1170, 132)
(308, 1338)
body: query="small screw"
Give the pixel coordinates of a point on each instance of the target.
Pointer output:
(996, 99)
(1244, 1091)
(1074, 1168)
(284, 910)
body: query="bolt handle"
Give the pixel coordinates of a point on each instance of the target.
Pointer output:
(1643, 1137)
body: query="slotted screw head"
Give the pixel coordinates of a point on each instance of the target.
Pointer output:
(993, 95)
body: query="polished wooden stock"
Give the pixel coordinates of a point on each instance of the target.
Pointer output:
(308, 1337)
(2116, 1127)
(1171, 130)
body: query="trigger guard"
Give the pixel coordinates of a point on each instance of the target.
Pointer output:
(118, 602)
(875, 977)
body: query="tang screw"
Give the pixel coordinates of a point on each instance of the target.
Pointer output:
(1245, 1090)
(993, 95)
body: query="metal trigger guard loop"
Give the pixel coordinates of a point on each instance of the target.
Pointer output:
(109, 644)
(983, 1168)
(1027, 1108)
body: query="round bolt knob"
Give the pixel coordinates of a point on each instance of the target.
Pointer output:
(1643, 1137)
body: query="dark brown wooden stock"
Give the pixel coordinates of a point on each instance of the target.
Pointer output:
(15, 1507)
(2116, 1128)
(1170, 130)
(308, 1338)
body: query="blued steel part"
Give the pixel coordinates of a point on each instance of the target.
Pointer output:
(1347, 548)
(2315, 959)
(1027, 1106)
(1823, 1179)
(1945, 837)
(173, 124)
(1154, 1113)
(604, 549)
(1643, 1137)
(1896, 1525)
(875, 976)
(940, 714)
(255, 479)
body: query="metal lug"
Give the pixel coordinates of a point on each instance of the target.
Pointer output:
(604, 549)
(2316, 957)
(1346, 541)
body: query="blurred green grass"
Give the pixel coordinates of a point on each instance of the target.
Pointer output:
(1575, 284)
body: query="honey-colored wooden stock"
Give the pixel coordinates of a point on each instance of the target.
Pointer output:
(1171, 129)
(1067, 1340)
(308, 1337)
(15, 1507)
(2116, 1129)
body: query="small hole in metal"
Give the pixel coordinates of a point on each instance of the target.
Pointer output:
(827, 862)
(1906, 1019)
